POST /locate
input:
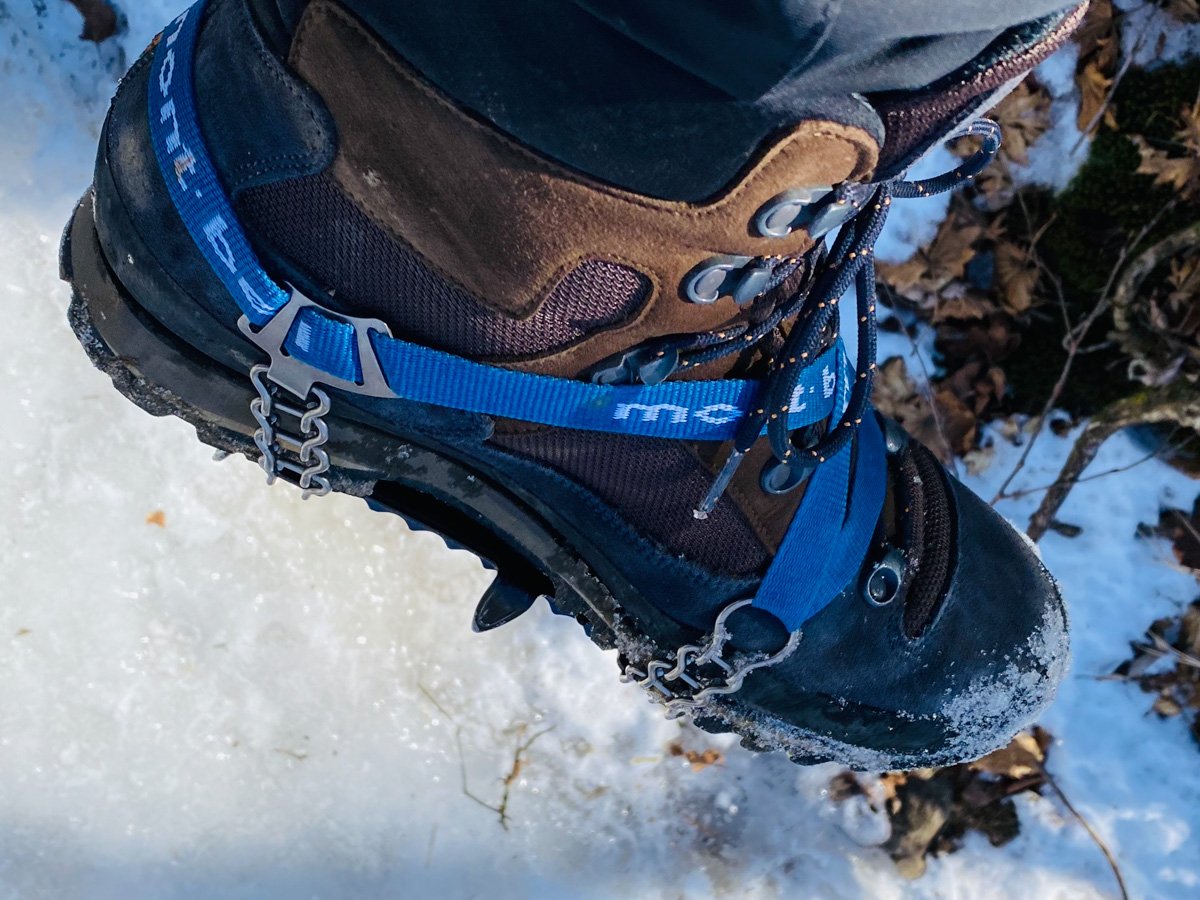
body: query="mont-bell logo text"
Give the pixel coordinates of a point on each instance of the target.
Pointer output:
(185, 168)
(715, 413)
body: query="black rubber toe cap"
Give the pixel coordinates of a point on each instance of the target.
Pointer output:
(985, 665)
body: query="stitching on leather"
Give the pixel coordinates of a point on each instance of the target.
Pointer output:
(279, 74)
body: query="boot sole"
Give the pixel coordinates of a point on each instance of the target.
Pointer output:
(165, 377)
(431, 492)
(429, 489)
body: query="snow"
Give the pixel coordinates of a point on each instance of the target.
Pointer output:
(268, 698)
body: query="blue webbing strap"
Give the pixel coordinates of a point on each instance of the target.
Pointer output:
(813, 565)
(686, 410)
(192, 179)
(826, 543)
(325, 344)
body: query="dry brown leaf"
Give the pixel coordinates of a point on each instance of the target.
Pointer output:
(99, 19)
(1017, 276)
(1189, 134)
(977, 385)
(1020, 759)
(1177, 171)
(1186, 11)
(892, 390)
(1182, 173)
(1023, 116)
(158, 517)
(1098, 37)
(1094, 86)
(965, 307)
(1167, 706)
(896, 396)
(699, 760)
(943, 260)
(1189, 631)
(903, 276)
(843, 786)
(958, 425)
(992, 339)
(1099, 43)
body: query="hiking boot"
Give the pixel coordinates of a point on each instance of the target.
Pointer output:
(639, 408)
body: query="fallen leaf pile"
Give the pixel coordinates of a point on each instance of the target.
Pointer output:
(1099, 55)
(1162, 331)
(947, 426)
(1167, 664)
(973, 283)
(931, 810)
(1182, 529)
(1177, 164)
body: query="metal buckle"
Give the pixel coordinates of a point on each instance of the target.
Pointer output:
(696, 690)
(298, 378)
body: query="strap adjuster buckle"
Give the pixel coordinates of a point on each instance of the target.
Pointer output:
(298, 376)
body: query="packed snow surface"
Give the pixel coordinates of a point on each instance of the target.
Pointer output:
(209, 688)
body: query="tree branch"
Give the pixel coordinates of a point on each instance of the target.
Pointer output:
(1178, 403)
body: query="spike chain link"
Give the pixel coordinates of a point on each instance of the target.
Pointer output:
(276, 445)
(692, 691)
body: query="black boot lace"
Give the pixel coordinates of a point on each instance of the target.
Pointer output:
(850, 261)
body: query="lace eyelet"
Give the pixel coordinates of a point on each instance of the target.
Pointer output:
(643, 364)
(784, 213)
(881, 585)
(779, 477)
(714, 278)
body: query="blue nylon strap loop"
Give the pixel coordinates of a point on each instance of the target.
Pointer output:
(826, 543)
(325, 344)
(192, 178)
(683, 410)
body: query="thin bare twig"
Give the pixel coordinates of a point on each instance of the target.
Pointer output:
(927, 391)
(1108, 854)
(517, 765)
(1112, 88)
(1155, 454)
(518, 762)
(1162, 647)
(1073, 340)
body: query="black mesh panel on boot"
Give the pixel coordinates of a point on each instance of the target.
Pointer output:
(931, 534)
(653, 485)
(313, 225)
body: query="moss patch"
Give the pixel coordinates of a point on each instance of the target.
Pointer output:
(1103, 208)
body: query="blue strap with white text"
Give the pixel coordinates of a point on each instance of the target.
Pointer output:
(828, 537)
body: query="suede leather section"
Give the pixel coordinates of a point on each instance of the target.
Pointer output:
(506, 224)
(261, 124)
